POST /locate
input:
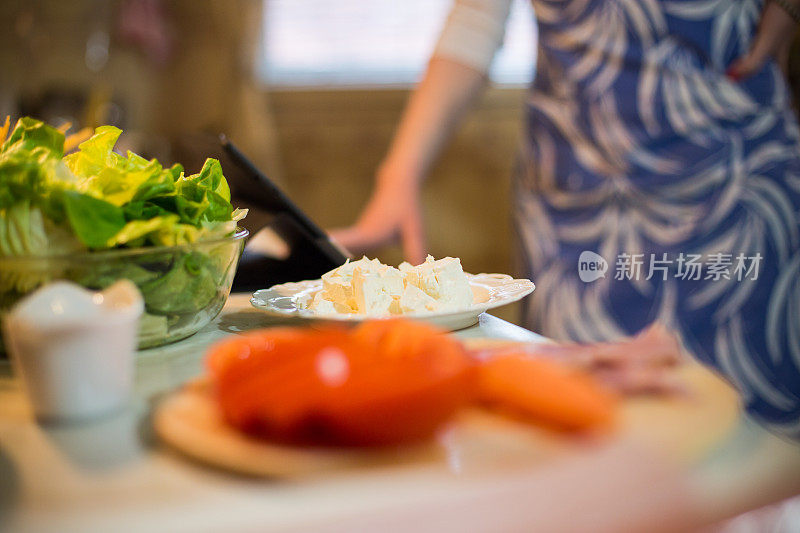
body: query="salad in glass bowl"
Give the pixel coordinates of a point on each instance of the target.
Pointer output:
(94, 216)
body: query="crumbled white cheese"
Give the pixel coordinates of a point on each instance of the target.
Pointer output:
(443, 280)
(324, 306)
(376, 290)
(371, 288)
(416, 301)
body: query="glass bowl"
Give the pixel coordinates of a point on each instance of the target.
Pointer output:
(184, 287)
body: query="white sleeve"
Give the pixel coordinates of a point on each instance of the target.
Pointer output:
(473, 32)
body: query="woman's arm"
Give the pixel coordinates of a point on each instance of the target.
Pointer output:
(772, 41)
(394, 209)
(453, 81)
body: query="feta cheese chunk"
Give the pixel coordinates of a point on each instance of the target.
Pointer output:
(338, 283)
(376, 290)
(443, 280)
(416, 301)
(339, 289)
(324, 306)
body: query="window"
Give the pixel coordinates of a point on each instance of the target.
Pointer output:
(373, 42)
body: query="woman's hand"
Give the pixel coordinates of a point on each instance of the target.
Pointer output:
(772, 41)
(394, 211)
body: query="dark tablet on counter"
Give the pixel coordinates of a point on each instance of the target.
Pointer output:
(285, 244)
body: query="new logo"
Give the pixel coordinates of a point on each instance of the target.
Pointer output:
(591, 266)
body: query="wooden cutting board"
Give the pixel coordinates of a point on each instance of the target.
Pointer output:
(685, 427)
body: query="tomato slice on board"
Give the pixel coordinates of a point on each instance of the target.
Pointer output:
(384, 383)
(546, 392)
(407, 379)
(264, 380)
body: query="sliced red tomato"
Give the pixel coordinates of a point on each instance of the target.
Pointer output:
(407, 379)
(386, 382)
(545, 392)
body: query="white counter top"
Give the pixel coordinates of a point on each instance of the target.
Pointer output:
(111, 475)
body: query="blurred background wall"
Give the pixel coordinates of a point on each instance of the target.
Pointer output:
(164, 71)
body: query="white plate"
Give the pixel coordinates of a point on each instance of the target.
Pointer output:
(489, 290)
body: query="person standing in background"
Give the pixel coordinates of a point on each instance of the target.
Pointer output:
(660, 140)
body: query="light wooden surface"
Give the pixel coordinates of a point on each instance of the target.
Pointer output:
(112, 475)
(477, 441)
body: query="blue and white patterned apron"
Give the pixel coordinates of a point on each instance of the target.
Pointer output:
(641, 150)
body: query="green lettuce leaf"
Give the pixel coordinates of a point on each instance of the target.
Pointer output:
(94, 221)
(29, 134)
(210, 177)
(24, 231)
(30, 165)
(102, 276)
(115, 178)
(190, 285)
(138, 232)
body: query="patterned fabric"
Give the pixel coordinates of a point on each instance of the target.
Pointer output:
(639, 144)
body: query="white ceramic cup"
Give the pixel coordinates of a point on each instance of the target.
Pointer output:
(74, 349)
